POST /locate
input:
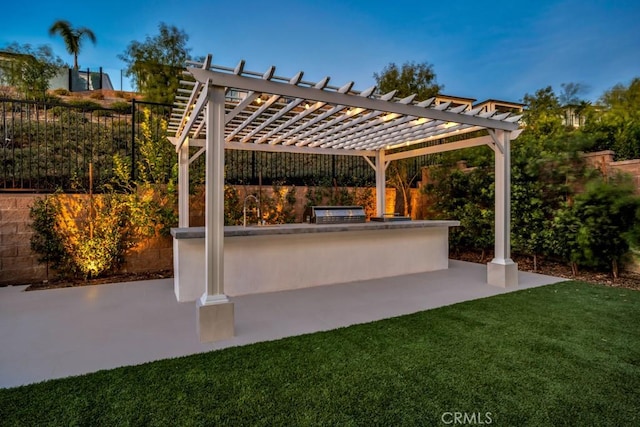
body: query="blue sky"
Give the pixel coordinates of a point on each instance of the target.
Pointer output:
(498, 49)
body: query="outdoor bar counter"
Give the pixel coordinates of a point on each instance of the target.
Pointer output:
(272, 258)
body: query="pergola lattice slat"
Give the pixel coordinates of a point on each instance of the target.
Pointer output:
(317, 96)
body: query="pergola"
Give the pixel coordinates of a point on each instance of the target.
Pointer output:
(222, 108)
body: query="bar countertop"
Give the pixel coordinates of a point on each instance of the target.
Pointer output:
(304, 228)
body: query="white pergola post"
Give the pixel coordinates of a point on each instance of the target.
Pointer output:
(381, 190)
(215, 311)
(502, 271)
(183, 184)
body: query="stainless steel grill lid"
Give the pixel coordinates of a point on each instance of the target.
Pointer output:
(334, 214)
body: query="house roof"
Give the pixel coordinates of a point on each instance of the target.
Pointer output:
(267, 112)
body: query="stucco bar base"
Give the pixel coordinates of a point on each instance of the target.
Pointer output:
(215, 321)
(502, 273)
(276, 258)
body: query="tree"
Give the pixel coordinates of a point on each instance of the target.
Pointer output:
(616, 126)
(156, 64)
(72, 37)
(570, 93)
(543, 115)
(411, 78)
(30, 69)
(401, 178)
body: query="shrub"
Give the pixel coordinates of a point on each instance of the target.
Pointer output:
(88, 236)
(103, 113)
(61, 91)
(84, 104)
(598, 228)
(279, 208)
(121, 107)
(469, 198)
(45, 241)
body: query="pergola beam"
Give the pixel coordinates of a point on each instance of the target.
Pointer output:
(336, 98)
(441, 148)
(194, 115)
(295, 149)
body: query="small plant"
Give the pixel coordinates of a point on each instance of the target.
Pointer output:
(279, 208)
(61, 91)
(232, 206)
(103, 113)
(157, 163)
(84, 104)
(121, 107)
(45, 241)
(97, 95)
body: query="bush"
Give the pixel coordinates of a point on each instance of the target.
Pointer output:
(45, 241)
(61, 91)
(84, 104)
(121, 107)
(88, 236)
(598, 228)
(97, 95)
(103, 113)
(469, 198)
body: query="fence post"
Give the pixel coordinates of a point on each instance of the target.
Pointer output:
(133, 140)
(333, 167)
(253, 166)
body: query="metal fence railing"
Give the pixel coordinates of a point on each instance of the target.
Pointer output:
(45, 147)
(49, 146)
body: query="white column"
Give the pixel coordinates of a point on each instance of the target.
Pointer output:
(380, 183)
(214, 198)
(214, 310)
(183, 185)
(502, 271)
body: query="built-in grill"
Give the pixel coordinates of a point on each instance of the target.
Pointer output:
(334, 214)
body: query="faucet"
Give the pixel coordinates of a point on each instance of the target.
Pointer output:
(244, 209)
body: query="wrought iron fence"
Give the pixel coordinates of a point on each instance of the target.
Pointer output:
(46, 147)
(49, 146)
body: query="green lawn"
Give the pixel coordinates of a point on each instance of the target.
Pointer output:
(565, 354)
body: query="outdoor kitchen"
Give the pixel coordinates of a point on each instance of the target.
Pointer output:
(335, 246)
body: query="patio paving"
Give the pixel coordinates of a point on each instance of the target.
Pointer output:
(62, 332)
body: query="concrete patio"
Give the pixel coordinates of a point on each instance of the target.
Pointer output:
(62, 332)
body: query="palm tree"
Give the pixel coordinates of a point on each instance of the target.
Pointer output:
(72, 37)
